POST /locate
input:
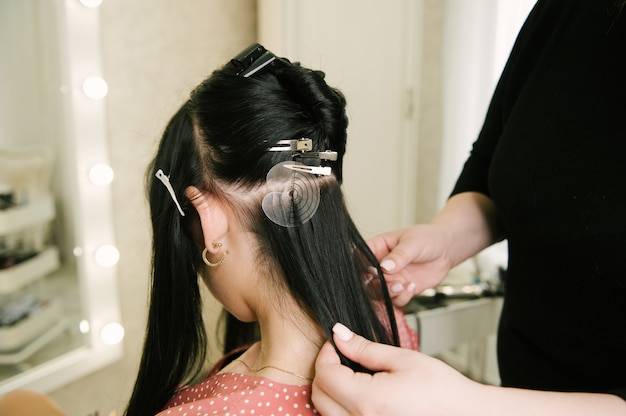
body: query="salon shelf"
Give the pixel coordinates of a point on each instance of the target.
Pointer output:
(27, 334)
(28, 271)
(24, 216)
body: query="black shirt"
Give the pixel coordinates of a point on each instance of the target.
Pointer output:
(552, 157)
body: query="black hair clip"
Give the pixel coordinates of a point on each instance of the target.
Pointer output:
(253, 59)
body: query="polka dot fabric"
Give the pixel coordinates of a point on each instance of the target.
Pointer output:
(407, 336)
(232, 394)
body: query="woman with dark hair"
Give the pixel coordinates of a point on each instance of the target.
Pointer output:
(245, 192)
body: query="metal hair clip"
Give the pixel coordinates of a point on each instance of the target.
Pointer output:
(327, 155)
(166, 181)
(313, 170)
(302, 151)
(297, 145)
(253, 59)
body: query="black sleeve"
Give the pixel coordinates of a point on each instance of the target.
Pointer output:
(619, 392)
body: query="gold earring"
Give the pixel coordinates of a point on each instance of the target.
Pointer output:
(208, 263)
(215, 244)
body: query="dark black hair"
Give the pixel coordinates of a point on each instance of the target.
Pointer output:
(220, 137)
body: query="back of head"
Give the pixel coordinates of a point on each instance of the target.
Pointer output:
(230, 138)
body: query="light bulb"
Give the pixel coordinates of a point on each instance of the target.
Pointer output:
(83, 326)
(112, 333)
(95, 88)
(101, 174)
(107, 256)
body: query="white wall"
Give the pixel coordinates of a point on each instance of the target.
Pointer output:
(478, 36)
(27, 73)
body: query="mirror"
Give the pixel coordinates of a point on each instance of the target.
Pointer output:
(59, 311)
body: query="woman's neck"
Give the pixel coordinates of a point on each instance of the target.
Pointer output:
(286, 352)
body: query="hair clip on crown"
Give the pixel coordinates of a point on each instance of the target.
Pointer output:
(255, 59)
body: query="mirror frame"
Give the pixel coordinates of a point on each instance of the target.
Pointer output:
(91, 204)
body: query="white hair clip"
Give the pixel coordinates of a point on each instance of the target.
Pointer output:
(313, 170)
(166, 181)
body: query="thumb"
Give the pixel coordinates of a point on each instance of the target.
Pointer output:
(385, 248)
(396, 260)
(371, 355)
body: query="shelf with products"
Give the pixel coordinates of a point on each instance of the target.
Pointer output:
(16, 217)
(29, 317)
(27, 333)
(25, 252)
(27, 271)
(51, 330)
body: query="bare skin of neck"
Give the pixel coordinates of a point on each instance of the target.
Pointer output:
(289, 345)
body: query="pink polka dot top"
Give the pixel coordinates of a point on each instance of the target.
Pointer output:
(231, 394)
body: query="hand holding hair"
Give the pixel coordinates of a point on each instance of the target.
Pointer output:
(407, 382)
(411, 383)
(419, 257)
(412, 258)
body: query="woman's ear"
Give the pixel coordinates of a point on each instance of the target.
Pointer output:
(213, 218)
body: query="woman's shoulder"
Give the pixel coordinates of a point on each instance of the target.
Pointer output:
(232, 393)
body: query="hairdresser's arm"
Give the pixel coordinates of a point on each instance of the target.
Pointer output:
(411, 383)
(420, 256)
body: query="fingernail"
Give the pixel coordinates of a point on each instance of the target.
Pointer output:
(372, 270)
(342, 332)
(388, 265)
(410, 287)
(396, 288)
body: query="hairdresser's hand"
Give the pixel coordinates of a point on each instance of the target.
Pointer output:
(413, 259)
(409, 383)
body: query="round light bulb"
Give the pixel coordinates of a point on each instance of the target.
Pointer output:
(107, 256)
(95, 88)
(112, 333)
(83, 326)
(101, 174)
